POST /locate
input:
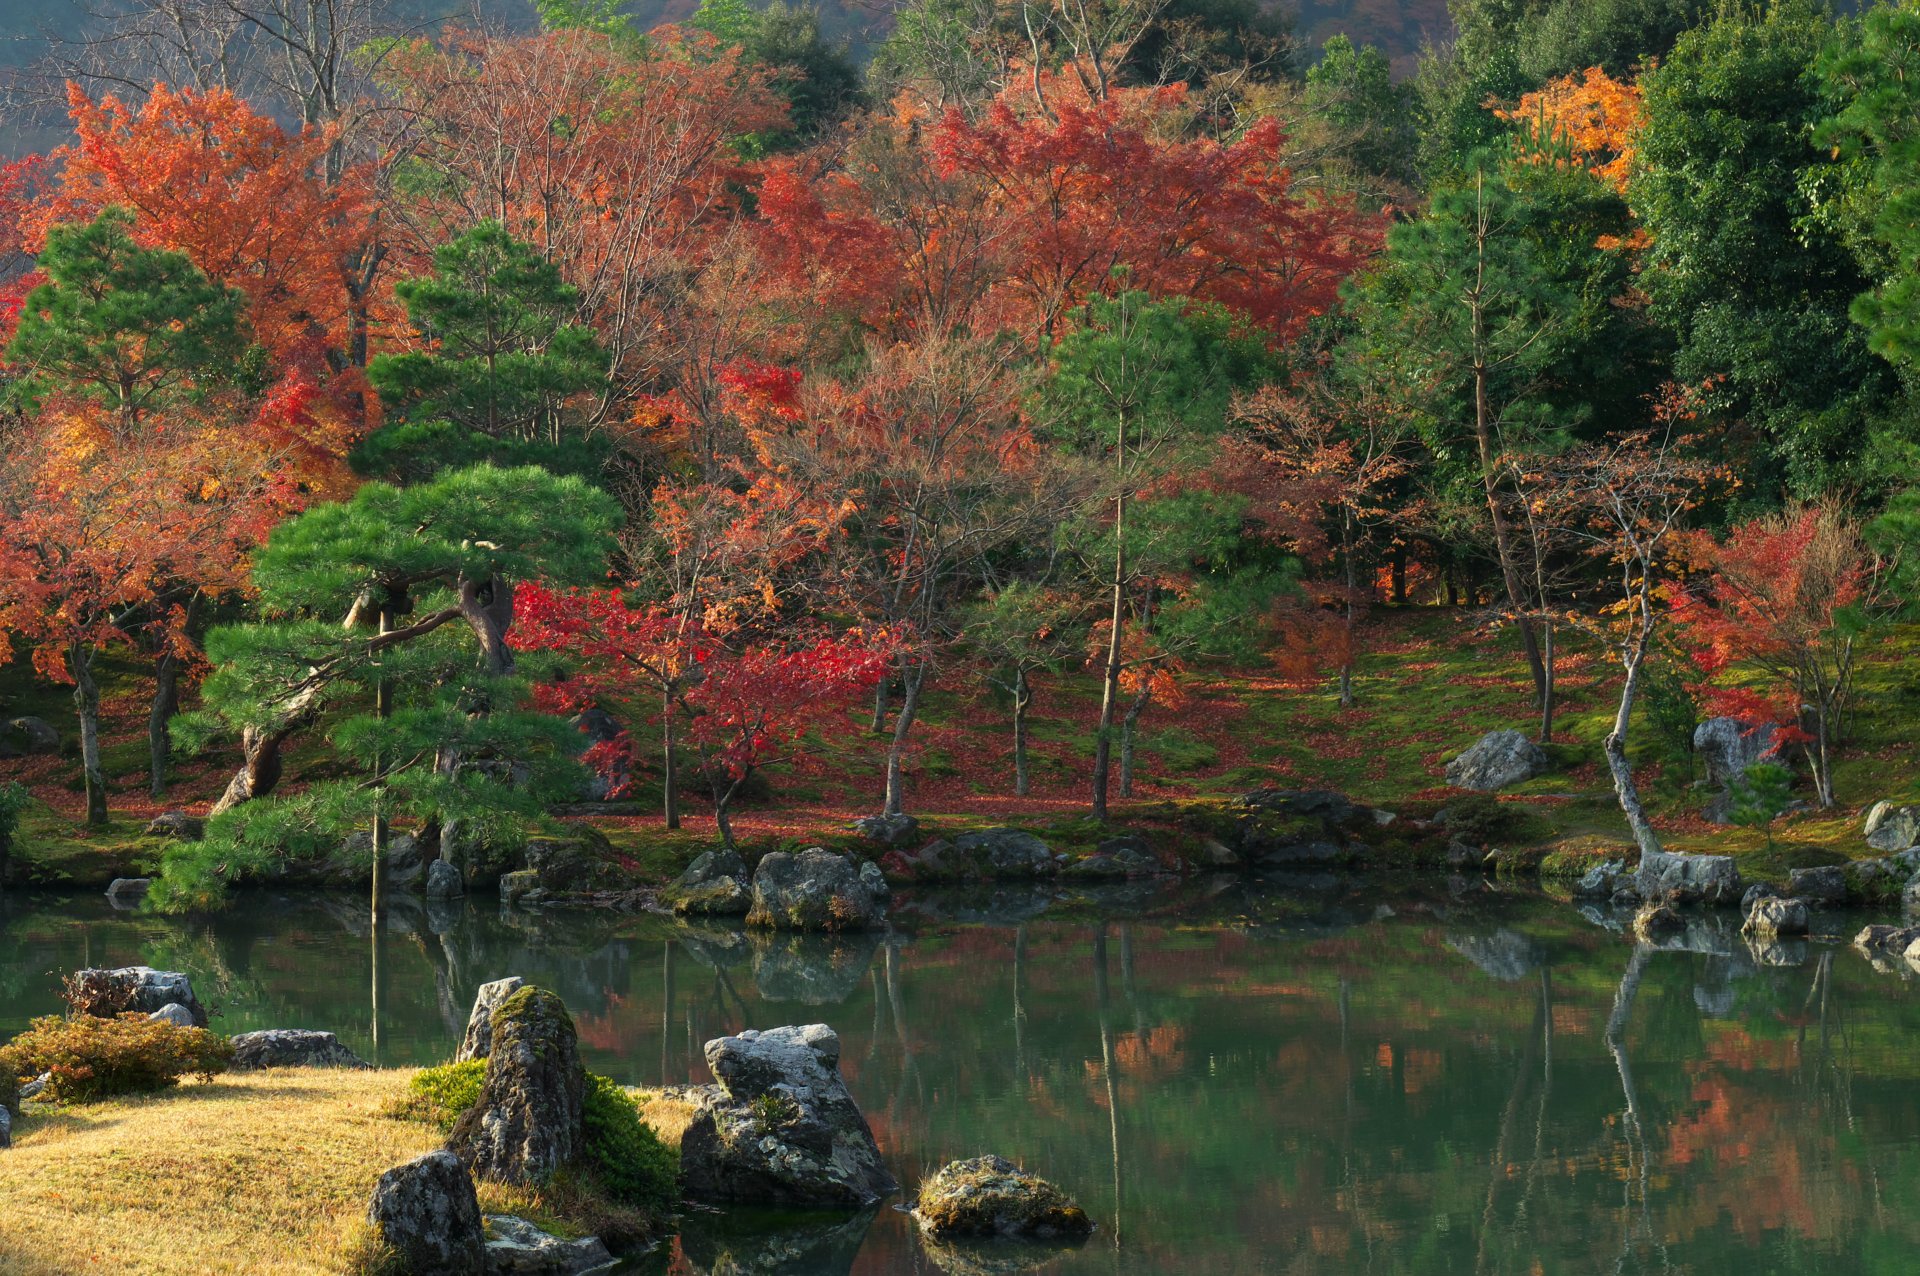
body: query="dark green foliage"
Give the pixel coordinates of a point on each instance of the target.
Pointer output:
(507, 363)
(1354, 92)
(816, 76)
(1668, 708)
(628, 1160)
(1480, 819)
(123, 324)
(1761, 795)
(440, 1094)
(91, 1058)
(13, 801)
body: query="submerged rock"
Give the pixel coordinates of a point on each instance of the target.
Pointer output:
(1773, 916)
(1498, 760)
(479, 1036)
(716, 883)
(427, 1213)
(779, 1128)
(444, 881)
(1886, 939)
(817, 890)
(758, 1243)
(991, 1196)
(292, 1048)
(1601, 881)
(516, 1247)
(1656, 919)
(527, 1122)
(1679, 878)
(124, 892)
(106, 993)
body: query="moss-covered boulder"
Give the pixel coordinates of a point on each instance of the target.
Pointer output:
(528, 1121)
(817, 890)
(715, 884)
(477, 1043)
(991, 1196)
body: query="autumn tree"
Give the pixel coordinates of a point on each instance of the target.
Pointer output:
(1783, 598)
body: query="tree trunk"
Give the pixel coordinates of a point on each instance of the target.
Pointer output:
(1548, 689)
(86, 702)
(881, 695)
(1399, 566)
(902, 723)
(382, 709)
(487, 607)
(1128, 726)
(166, 702)
(1110, 679)
(1022, 701)
(1633, 659)
(1346, 655)
(669, 763)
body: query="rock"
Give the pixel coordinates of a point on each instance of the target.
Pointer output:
(174, 1013)
(126, 891)
(1656, 919)
(1506, 955)
(427, 1213)
(817, 890)
(520, 887)
(575, 865)
(1322, 804)
(716, 883)
(1824, 885)
(1892, 828)
(1874, 881)
(779, 1127)
(1910, 896)
(1680, 878)
(887, 830)
(1886, 939)
(812, 968)
(1756, 892)
(177, 825)
(1003, 852)
(32, 1089)
(479, 1038)
(405, 860)
(527, 1121)
(106, 993)
(1727, 747)
(1217, 854)
(6, 1129)
(292, 1048)
(1463, 855)
(1497, 760)
(443, 881)
(1600, 881)
(24, 737)
(1774, 916)
(1124, 856)
(991, 1196)
(516, 1247)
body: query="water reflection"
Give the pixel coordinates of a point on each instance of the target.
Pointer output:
(1231, 1077)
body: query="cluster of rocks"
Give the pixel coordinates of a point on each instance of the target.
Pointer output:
(812, 890)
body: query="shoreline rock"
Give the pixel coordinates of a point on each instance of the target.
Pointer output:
(991, 1196)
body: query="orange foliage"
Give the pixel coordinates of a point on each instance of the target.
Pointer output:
(1596, 115)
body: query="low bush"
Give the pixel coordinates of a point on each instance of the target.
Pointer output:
(1480, 819)
(88, 1058)
(439, 1095)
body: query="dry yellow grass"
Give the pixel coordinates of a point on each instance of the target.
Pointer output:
(668, 1114)
(264, 1172)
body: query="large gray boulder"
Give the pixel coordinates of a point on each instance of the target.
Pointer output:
(22, 737)
(125, 892)
(1498, 760)
(1826, 884)
(1679, 878)
(1726, 747)
(779, 1127)
(516, 1247)
(1774, 916)
(292, 1048)
(1892, 828)
(1004, 852)
(1602, 880)
(715, 884)
(174, 1013)
(527, 1122)
(405, 859)
(991, 1196)
(428, 1215)
(444, 882)
(887, 830)
(817, 890)
(106, 993)
(6, 1129)
(478, 1041)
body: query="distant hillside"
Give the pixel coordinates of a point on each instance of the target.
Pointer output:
(30, 28)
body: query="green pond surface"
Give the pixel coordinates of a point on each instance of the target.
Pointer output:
(1288, 1077)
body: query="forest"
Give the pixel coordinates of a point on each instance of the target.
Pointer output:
(430, 429)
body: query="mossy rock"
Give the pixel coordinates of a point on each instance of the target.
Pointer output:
(1777, 864)
(991, 1196)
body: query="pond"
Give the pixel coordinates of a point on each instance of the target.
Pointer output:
(1232, 1076)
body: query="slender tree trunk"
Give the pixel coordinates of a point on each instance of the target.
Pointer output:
(896, 749)
(166, 702)
(1549, 686)
(1128, 729)
(1399, 566)
(669, 761)
(86, 702)
(1022, 701)
(1346, 657)
(1110, 680)
(382, 709)
(881, 697)
(1633, 660)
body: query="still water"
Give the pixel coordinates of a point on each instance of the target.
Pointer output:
(1231, 1076)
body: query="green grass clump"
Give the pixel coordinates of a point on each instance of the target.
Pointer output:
(439, 1095)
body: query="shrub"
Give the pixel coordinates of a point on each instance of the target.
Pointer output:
(439, 1095)
(628, 1159)
(89, 1058)
(13, 801)
(1479, 819)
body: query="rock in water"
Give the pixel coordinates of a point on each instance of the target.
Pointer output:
(1824, 885)
(527, 1122)
(991, 1196)
(1892, 828)
(998, 853)
(426, 1211)
(478, 1041)
(174, 1013)
(444, 882)
(1600, 881)
(516, 1247)
(779, 1128)
(125, 892)
(715, 883)
(1774, 916)
(887, 830)
(817, 890)
(1679, 878)
(1656, 919)
(106, 993)
(1498, 759)
(292, 1048)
